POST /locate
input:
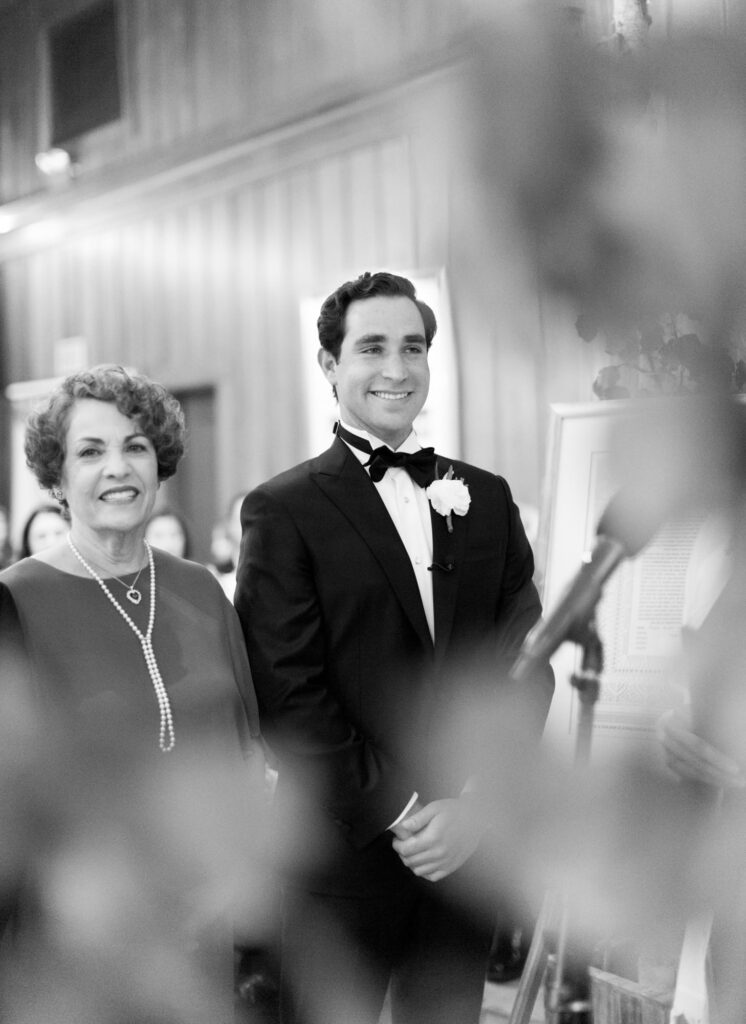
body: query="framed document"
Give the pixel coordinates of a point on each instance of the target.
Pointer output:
(639, 616)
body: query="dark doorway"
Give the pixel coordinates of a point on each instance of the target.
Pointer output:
(84, 72)
(192, 492)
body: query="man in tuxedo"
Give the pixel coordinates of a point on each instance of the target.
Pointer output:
(373, 617)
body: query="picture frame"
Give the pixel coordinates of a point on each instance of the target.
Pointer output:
(639, 615)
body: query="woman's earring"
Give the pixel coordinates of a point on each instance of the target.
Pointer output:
(58, 495)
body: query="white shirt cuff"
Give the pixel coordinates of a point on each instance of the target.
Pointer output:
(412, 801)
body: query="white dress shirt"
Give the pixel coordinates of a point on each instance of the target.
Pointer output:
(407, 504)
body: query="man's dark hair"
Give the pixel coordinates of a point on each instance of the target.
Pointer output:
(331, 321)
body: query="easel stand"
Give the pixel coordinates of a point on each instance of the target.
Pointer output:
(553, 917)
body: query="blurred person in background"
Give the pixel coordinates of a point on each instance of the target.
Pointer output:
(131, 667)
(226, 545)
(704, 745)
(44, 526)
(167, 530)
(366, 595)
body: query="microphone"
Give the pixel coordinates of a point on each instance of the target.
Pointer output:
(622, 533)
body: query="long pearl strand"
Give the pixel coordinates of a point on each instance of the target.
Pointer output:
(167, 738)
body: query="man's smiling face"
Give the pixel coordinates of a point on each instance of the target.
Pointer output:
(382, 375)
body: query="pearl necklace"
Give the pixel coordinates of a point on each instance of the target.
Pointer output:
(166, 739)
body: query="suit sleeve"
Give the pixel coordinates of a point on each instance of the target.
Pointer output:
(17, 692)
(279, 608)
(17, 717)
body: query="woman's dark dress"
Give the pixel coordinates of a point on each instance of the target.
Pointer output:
(71, 665)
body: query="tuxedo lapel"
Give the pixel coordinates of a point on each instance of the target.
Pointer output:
(344, 481)
(448, 557)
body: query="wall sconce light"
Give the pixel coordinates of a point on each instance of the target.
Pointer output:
(56, 163)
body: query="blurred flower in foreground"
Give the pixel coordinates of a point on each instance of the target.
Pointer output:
(620, 178)
(633, 852)
(132, 873)
(623, 175)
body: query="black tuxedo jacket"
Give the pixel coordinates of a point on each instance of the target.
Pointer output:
(354, 696)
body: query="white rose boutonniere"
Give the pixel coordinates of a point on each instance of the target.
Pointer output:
(449, 495)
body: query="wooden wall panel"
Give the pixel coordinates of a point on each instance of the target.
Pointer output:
(256, 404)
(134, 312)
(197, 279)
(19, 104)
(196, 70)
(14, 284)
(208, 292)
(148, 99)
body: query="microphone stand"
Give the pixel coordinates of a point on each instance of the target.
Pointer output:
(561, 1005)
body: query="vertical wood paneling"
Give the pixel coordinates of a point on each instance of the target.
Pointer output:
(279, 43)
(249, 402)
(110, 320)
(53, 321)
(207, 290)
(226, 345)
(143, 48)
(220, 286)
(151, 24)
(255, 30)
(304, 254)
(208, 64)
(233, 51)
(334, 233)
(71, 295)
(176, 57)
(305, 265)
(19, 102)
(193, 295)
(150, 297)
(14, 282)
(192, 66)
(394, 204)
(174, 285)
(281, 366)
(84, 254)
(37, 315)
(140, 350)
(360, 201)
(269, 401)
(132, 343)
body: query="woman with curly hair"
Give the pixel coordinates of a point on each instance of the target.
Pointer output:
(134, 665)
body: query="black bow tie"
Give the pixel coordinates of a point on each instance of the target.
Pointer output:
(420, 464)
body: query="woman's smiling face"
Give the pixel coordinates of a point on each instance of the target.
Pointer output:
(110, 469)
